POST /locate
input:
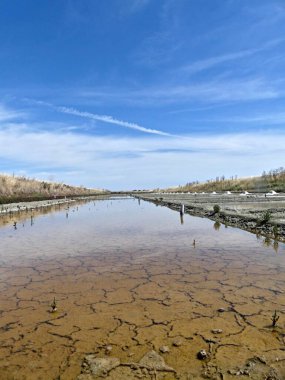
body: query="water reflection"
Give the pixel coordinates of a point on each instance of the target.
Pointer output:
(267, 241)
(181, 219)
(217, 225)
(31, 214)
(276, 245)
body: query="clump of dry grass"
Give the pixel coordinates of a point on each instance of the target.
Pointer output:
(14, 188)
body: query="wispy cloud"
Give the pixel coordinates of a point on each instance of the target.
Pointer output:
(266, 14)
(104, 118)
(261, 118)
(160, 47)
(129, 8)
(157, 49)
(110, 120)
(8, 114)
(210, 62)
(232, 90)
(136, 5)
(214, 91)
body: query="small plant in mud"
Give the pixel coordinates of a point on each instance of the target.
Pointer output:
(275, 232)
(53, 306)
(274, 319)
(265, 217)
(216, 209)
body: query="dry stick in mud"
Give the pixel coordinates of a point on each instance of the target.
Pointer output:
(274, 319)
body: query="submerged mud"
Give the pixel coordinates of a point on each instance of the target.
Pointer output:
(123, 296)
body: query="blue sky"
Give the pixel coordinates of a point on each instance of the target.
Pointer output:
(125, 94)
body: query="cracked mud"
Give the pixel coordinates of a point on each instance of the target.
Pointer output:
(127, 282)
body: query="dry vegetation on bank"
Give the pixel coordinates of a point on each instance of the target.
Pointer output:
(16, 189)
(272, 180)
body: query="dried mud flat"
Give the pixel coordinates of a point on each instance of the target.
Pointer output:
(137, 305)
(122, 306)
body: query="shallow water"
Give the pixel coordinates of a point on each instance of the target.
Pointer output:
(127, 274)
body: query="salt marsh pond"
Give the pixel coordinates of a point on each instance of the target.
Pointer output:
(127, 279)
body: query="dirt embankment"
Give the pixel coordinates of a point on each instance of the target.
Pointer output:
(14, 189)
(17, 211)
(258, 213)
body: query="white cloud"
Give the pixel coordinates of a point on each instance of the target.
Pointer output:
(138, 162)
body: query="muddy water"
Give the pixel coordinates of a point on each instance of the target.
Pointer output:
(127, 275)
